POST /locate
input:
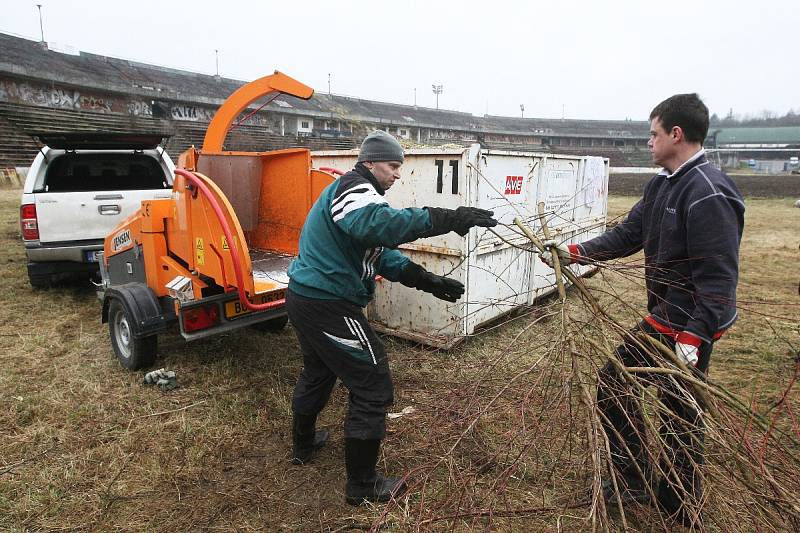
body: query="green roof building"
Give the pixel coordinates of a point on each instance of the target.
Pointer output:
(776, 137)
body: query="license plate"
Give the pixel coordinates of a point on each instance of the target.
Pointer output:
(236, 309)
(91, 256)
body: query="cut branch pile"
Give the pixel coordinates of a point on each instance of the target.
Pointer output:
(519, 443)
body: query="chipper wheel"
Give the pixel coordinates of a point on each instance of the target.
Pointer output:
(132, 353)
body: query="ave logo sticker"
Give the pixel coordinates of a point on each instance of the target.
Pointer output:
(513, 185)
(121, 241)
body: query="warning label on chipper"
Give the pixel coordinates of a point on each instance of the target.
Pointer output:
(199, 252)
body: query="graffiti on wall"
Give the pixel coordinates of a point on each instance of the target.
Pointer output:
(190, 112)
(139, 108)
(41, 95)
(203, 114)
(95, 104)
(37, 95)
(256, 119)
(63, 98)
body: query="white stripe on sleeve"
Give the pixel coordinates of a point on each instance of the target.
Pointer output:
(356, 201)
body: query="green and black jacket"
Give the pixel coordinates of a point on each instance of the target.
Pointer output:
(350, 236)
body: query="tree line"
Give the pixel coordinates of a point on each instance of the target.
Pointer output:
(764, 118)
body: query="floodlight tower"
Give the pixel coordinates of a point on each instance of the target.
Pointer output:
(41, 26)
(437, 90)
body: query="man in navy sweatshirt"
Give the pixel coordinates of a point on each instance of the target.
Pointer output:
(689, 224)
(350, 236)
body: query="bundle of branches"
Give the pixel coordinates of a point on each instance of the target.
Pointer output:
(526, 442)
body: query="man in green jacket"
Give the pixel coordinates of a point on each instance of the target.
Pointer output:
(350, 236)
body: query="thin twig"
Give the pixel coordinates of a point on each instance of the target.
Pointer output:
(164, 412)
(32, 458)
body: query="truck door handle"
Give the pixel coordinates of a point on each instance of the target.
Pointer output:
(109, 209)
(108, 197)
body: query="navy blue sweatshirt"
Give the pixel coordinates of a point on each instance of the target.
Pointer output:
(690, 225)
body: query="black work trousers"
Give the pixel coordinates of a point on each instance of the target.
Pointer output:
(338, 342)
(681, 427)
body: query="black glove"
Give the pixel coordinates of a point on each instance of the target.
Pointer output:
(416, 277)
(458, 220)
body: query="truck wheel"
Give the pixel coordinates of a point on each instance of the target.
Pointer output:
(39, 281)
(271, 326)
(132, 353)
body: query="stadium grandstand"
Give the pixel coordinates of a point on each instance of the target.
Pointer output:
(44, 90)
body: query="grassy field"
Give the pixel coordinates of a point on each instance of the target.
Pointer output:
(84, 445)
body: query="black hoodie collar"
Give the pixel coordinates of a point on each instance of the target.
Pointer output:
(698, 158)
(364, 172)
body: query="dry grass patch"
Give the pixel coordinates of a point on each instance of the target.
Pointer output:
(84, 445)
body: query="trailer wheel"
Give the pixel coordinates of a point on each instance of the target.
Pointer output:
(272, 326)
(132, 353)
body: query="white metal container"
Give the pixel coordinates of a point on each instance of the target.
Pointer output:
(497, 267)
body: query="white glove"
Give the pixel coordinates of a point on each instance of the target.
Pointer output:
(165, 379)
(560, 248)
(686, 353)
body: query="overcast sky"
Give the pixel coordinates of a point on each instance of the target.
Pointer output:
(588, 59)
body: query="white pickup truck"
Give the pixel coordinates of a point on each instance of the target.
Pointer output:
(79, 187)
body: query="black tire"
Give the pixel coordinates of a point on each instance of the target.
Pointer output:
(40, 281)
(131, 352)
(272, 326)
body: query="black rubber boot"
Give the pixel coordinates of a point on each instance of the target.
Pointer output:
(363, 483)
(305, 439)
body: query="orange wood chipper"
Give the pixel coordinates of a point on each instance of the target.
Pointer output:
(213, 257)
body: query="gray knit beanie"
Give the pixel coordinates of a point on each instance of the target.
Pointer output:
(380, 146)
